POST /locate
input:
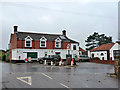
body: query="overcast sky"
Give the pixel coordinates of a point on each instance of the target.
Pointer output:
(80, 19)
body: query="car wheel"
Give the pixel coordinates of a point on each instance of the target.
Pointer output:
(40, 62)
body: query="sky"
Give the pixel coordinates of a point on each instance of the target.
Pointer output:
(79, 18)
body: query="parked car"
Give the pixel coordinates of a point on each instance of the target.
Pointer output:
(49, 58)
(83, 58)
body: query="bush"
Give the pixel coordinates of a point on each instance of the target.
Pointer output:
(2, 56)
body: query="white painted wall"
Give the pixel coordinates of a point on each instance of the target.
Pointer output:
(115, 47)
(41, 53)
(77, 46)
(98, 54)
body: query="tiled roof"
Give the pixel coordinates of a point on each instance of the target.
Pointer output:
(103, 47)
(81, 49)
(38, 36)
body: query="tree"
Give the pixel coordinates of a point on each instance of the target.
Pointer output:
(96, 40)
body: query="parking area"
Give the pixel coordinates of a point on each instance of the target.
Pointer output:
(34, 75)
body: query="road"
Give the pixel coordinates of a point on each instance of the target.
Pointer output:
(34, 75)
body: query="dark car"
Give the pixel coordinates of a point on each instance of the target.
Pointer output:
(49, 58)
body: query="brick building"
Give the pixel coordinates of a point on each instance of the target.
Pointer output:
(35, 45)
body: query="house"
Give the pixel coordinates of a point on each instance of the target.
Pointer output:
(35, 45)
(106, 50)
(82, 51)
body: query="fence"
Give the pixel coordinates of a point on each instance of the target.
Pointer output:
(96, 60)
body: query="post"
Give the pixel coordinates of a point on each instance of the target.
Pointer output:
(110, 60)
(102, 59)
(45, 62)
(72, 62)
(60, 63)
(51, 62)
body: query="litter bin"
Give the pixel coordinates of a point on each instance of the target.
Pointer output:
(68, 61)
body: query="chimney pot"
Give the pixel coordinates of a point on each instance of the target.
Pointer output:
(15, 28)
(64, 32)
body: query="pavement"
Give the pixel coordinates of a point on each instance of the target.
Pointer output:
(34, 75)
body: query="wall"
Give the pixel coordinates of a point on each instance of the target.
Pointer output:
(36, 45)
(115, 47)
(98, 54)
(13, 44)
(41, 53)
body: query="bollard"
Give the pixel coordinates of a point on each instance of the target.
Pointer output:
(71, 63)
(61, 61)
(45, 62)
(51, 62)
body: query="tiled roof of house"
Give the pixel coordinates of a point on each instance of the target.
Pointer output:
(80, 49)
(103, 47)
(38, 36)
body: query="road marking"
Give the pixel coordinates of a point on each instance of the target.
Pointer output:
(29, 80)
(46, 75)
(65, 86)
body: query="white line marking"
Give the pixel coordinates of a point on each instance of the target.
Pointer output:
(64, 85)
(29, 80)
(46, 75)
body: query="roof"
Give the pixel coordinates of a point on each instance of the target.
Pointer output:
(80, 49)
(103, 47)
(38, 36)
(118, 42)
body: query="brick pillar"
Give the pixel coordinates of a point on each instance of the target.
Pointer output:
(117, 67)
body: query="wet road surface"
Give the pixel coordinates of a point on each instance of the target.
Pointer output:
(34, 75)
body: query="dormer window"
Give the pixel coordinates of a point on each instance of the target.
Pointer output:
(43, 42)
(58, 43)
(28, 41)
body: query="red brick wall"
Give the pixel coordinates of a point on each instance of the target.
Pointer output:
(64, 45)
(13, 44)
(102, 61)
(36, 45)
(50, 45)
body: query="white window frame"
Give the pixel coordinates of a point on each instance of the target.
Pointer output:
(28, 38)
(58, 40)
(43, 39)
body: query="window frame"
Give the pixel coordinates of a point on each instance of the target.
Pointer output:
(28, 38)
(43, 39)
(58, 40)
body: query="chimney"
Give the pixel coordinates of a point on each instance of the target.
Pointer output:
(15, 28)
(64, 32)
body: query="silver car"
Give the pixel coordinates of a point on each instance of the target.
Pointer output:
(83, 58)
